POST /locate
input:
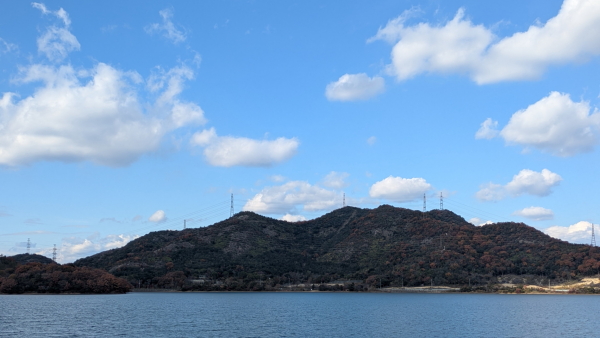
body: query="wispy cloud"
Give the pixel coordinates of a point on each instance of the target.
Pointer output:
(167, 28)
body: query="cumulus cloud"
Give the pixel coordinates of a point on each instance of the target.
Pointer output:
(461, 47)
(525, 182)
(167, 27)
(479, 222)
(290, 196)
(57, 41)
(535, 213)
(73, 248)
(487, 130)
(336, 180)
(399, 189)
(352, 87)
(580, 232)
(293, 218)
(229, 151)
(555, 125)
(158, 216)
(98, 117)
(533, 183)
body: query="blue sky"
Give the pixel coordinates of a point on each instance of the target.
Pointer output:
(118, 119)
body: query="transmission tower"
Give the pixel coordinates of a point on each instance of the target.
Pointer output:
(424, 203)
(184, 223)
(344, 202)
(54, 253)
(441, 201)
(593, 236)
(28, 245)
(231, 209)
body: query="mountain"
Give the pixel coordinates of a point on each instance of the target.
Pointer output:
(388, 245)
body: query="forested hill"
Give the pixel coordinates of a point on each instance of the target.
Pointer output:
(398, 246)
(27, 273)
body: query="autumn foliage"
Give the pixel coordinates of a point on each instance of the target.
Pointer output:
(55, 278)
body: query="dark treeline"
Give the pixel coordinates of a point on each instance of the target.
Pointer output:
(36, 277)
(386, 246)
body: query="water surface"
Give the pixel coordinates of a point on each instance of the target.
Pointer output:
(298, 315)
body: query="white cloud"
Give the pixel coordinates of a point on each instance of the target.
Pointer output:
(479, 222)
(72, 118)
(556, 125)
(293, 218)
(459, 46)
(525, 182)
(371, 140)
(487, 130)
(533, 183)
(92, 114)
(57, 42)
(580, 232)
(336, 180)
(73, 248)
(352, 87)
(535, 213)
(158, 216)
(167, 28)
(399, 189)
(228, 151)
(288, 197)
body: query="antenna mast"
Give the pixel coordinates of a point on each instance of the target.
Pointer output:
(231, 209)
(593, 236)
(54, 253)
(28, 245)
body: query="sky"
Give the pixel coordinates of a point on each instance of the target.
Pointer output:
(118, 119)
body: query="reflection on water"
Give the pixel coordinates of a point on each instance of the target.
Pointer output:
(298, 315)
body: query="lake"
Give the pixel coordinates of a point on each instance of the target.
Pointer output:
(299, 315)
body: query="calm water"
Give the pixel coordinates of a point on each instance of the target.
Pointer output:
(299, 315)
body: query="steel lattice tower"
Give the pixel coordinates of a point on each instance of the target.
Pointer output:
(231, 209)
(54, 253)
(593, 236)
(28, 245)
(441, 201)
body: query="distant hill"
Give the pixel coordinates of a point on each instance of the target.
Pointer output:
(37, 274)
(388, 245)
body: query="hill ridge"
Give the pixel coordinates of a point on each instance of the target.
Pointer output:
(398, 245)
